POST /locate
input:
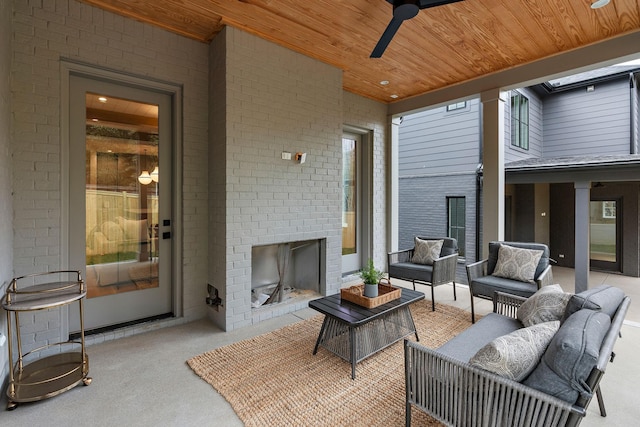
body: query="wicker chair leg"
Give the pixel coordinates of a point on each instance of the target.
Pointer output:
(473, 314)
(455, 298)
(414, 285)
(603, 411)
(433, 300)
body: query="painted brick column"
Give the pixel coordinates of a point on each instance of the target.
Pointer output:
(493, 171)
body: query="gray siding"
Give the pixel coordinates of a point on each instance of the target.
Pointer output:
(423, 208)
(437, 141)
(512, 153)
(439, 151)
(581, 122)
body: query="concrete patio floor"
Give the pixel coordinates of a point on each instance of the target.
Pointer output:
(143, 380)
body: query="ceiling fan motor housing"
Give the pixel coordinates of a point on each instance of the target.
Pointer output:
(405, 9)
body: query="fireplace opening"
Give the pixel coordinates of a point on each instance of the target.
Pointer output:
(285, 271)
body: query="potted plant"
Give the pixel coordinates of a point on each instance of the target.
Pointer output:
(371, 277)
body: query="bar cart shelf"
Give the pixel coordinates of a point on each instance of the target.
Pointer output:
(64, 364)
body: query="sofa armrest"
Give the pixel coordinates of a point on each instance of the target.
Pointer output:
(545, 278)
(507, 304)
(457, 393)
(399, 256)
(444, 269)
(476, 269)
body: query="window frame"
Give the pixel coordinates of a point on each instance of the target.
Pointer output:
(457, 106)
(460, 229)
(607, 207)
(520, 120)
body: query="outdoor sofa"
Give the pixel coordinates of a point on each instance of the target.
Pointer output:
(484, 377)
(432, 271)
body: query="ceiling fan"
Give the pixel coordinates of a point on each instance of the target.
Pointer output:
(403, 10)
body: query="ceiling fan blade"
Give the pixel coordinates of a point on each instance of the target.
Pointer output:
(386, 37)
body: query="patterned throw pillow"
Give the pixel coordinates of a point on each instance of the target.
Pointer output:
(547, 304)
(426, 251)
(517, 354)
(517, 263)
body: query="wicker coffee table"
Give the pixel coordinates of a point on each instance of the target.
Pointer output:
(354, 333)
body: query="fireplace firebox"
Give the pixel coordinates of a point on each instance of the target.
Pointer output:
(284, 271)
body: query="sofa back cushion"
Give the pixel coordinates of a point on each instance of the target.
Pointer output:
(494, 247)
(571, 356)
(603, 298)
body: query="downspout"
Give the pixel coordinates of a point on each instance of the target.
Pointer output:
(479, 168)
(634, 110)
(478, 209)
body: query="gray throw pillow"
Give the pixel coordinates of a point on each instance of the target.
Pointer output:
(517, 263)
(570, 357)
(426, 251)
(515, 355)
(547, 304)
(603, 298)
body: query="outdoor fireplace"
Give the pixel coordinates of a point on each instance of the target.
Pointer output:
(286, 271)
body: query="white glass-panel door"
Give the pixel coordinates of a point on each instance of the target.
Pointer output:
(604, 232)
(351, 203)
(120, 200)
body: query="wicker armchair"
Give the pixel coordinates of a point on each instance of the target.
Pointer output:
(458, 394)
(482, 284)
(441, 272)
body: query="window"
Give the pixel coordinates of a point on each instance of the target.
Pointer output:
(520, 121)
(609, 209)
(457, 106)
(456, 227)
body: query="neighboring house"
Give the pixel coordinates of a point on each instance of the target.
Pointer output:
(582, 128)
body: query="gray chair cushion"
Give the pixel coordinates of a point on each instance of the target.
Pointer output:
(464, 345)
(411, 271)
(515, 355)
(493, 255)
(603, 298)
(570, 357)
(487, 285)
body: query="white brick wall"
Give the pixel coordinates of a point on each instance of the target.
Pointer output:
(6, 203)
(46, 31)
(276, 100)
(263, 100)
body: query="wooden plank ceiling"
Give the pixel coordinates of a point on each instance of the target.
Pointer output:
(440, 47)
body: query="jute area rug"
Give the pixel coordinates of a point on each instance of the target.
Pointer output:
(275, 380)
